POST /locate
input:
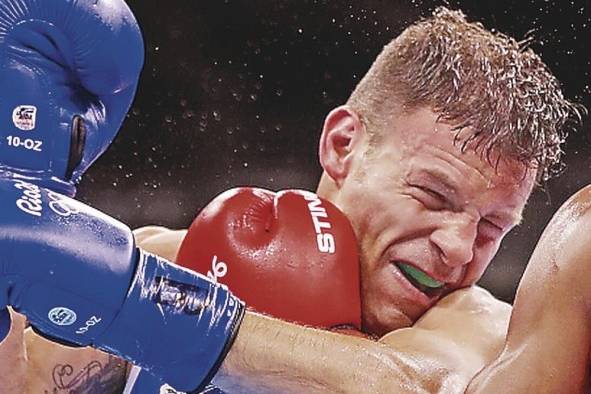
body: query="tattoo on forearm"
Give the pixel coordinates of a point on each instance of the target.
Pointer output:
(93, 378)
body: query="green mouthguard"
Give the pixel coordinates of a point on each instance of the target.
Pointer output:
(420, 276)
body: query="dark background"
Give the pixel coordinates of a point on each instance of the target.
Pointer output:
(234, 92)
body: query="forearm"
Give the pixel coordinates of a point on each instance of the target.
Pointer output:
(13, 360)
(274, 356)
(53, 368)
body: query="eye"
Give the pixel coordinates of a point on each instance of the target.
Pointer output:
(491, 228)
(430, 198)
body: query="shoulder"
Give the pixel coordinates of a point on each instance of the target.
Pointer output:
(483, 314)
(471, 317)
(581, 200)
(475, 300)
(571, 222)
(460, 334)
(159, 240)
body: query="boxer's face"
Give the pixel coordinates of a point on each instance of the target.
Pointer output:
(428, 218)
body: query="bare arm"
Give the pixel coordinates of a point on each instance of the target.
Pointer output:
(437, 355)
(31, 364)
(547, 348)
(53, 368)
(13, 357)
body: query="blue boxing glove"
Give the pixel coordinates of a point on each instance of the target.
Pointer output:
(77, 276)
(68, 71)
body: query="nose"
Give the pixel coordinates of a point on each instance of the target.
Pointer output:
(456, 238)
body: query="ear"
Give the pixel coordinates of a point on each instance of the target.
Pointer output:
(342, 132)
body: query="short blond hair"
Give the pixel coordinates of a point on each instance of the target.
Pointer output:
(473, 78)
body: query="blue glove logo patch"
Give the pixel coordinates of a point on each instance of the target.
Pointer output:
(62, 316)
(24, 117)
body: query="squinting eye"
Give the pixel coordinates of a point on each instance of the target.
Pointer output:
(430, 198)
(434, 194)
(492, 226)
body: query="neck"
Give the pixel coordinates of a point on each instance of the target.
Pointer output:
(327, 188)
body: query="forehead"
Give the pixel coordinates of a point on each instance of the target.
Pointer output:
(427, 146)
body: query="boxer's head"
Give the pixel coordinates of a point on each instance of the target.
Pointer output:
(434, 157)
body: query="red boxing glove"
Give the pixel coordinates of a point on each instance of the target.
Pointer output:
(291, 254)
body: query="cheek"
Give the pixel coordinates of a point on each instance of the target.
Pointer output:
(357, 200)
(380, 217)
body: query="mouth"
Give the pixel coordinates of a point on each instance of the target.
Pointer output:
(426, 284)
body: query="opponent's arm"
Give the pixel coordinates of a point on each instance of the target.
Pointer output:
(275, 356)
(547, 348)
(54, 368)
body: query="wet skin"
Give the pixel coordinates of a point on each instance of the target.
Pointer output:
(417, 202)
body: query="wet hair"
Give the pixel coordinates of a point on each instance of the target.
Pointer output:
(476, 78)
